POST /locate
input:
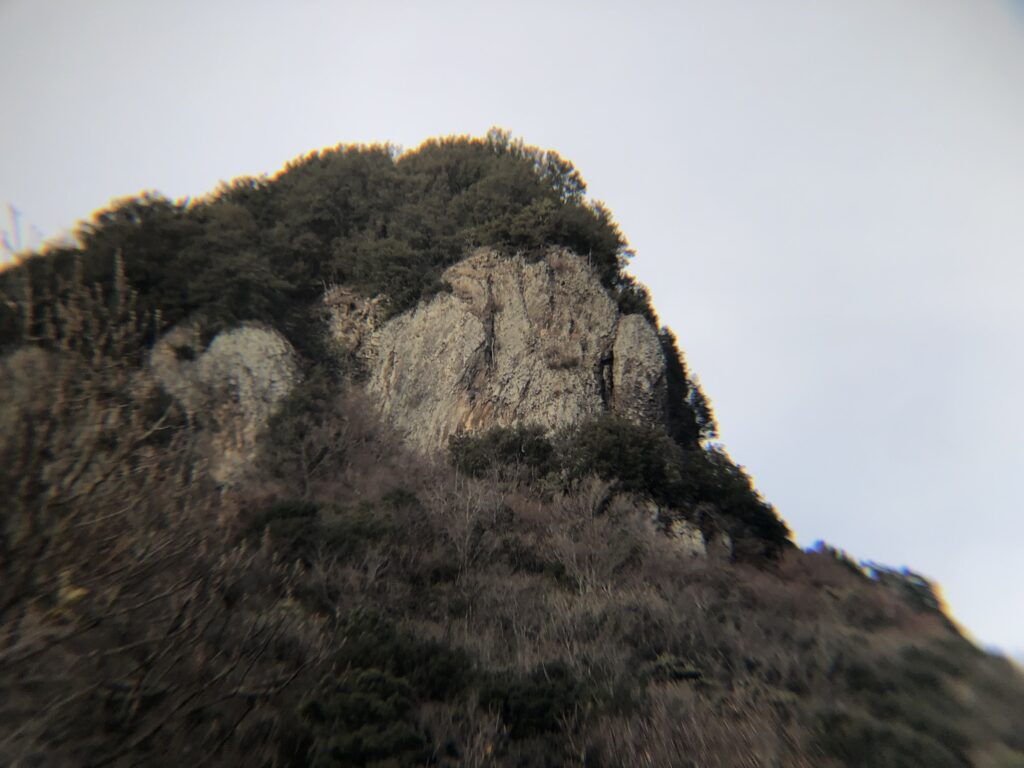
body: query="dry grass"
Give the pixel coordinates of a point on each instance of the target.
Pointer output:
(143, 622)
(561, 357)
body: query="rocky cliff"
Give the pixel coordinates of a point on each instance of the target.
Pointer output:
(514, 341)
(231, 388)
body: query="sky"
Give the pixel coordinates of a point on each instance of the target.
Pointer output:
(825, 199)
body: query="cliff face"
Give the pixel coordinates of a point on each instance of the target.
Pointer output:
(540, 603)
(513, 342)
(231, 388)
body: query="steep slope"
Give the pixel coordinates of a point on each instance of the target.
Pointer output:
(364, 466)
(234, 387)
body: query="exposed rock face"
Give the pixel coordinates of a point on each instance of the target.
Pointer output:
(688, 538)
(232, 387)
(514, 342)
(638, 371)
(352, 318)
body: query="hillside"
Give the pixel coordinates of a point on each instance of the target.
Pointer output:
(385, 461)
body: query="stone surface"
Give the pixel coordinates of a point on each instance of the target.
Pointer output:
(513, 342)
(231, 388)
(687, 537)
(638, 371)
(352, 318)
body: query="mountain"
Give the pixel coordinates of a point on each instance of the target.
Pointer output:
(386, 461)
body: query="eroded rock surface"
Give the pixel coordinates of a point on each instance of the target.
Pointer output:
(514, 342)
(352, 318)
(232, 387)
(638, 371)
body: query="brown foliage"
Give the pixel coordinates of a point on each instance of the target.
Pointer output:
(124, 615)
(144, 620)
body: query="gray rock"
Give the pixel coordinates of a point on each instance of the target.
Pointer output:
(514, 342)
(232, 388)
(688, 538)
(352, 318)
(638, 371)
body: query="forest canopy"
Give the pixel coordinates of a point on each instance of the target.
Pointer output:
(368, 216)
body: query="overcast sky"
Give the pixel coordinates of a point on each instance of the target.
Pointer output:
(825, 198)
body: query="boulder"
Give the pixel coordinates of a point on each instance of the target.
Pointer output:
(231, 388)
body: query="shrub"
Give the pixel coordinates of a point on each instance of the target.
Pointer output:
(863, 742)
(383, 222)
(532, 704)
(307, 438)
(400, 497)
(823, 549)
(643, 460)
(754, 525)
(689, 417)
(302, 531)
(433, 671)
(293, 527)
(911, 587)
(633, 458)
(513, 452)
(366, 715)
(637, 458)
(668, 668)
(562, 357)
(361, 718)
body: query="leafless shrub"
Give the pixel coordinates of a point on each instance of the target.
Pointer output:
(562, 356)
(327, 438)
(683, 728)
(123, 611)
(562, 261)
(467, 512)
(475, 735)
(138, 624)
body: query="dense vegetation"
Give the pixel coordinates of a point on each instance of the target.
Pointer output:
(364, 216)
(508, 604)
(389, 612)
(693, 483)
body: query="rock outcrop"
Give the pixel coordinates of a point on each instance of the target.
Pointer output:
(352, 318)
(232, 388)
(688, 538)
(513, 342)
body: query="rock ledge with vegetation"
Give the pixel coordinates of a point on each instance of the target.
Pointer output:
(513, 342)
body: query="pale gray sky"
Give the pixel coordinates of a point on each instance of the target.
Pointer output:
(824, 198)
